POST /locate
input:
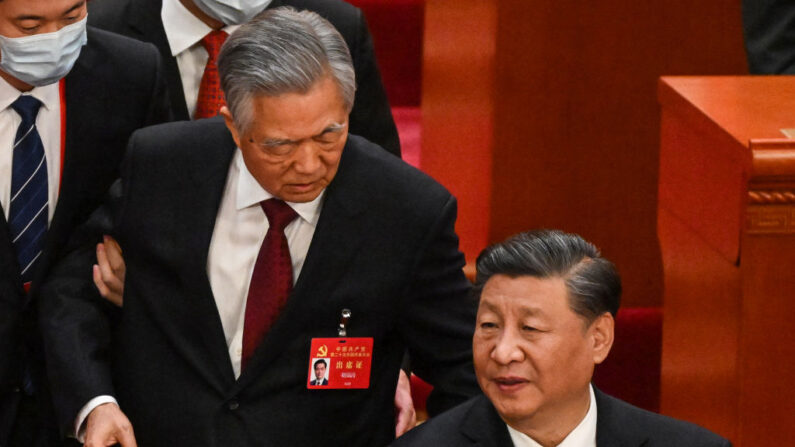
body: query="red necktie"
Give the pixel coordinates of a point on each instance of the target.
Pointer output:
(272, 279)
(211, 99)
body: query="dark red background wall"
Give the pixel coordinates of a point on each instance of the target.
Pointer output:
(543, 113)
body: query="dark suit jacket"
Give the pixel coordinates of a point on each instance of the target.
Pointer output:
(371, 116)
(769, 28)
(107, 98)
(315, 382)
(618, 424)
(384, 247)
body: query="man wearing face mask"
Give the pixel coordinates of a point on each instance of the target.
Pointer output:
(189, 34)
(69, 101)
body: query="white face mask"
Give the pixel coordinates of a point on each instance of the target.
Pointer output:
(42, 59)
(232, 12)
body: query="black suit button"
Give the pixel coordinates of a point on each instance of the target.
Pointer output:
(233, 405)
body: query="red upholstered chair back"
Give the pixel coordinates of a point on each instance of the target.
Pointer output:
(397, 29)
(632, 370)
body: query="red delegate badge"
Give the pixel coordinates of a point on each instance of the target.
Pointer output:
(340, 363)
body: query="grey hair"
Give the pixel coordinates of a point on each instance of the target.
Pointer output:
(281, 51)
(592, 281)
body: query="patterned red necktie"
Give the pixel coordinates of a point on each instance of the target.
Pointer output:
(272, 279)
(211, 99)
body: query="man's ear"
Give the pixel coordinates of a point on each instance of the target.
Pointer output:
(601, 334)
(230, 124)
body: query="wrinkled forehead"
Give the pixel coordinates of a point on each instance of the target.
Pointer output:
(525, 294)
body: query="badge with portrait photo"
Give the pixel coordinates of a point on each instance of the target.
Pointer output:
(340, 363)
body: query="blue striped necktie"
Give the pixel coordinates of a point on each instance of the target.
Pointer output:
(27, 216)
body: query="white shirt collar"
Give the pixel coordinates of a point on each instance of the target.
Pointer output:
(183, 29)
(49, 95)
(250, 193)
(583, 435)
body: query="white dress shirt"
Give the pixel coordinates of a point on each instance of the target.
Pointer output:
(583, 435)
(240, 228)
(184, 32)
(48, 124)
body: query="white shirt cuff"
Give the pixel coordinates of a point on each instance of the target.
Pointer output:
(80, 428)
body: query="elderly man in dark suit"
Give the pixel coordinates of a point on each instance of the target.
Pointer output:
(184, 32)
(69, 100)
(188, 34)
(246, 240)
(547, 302)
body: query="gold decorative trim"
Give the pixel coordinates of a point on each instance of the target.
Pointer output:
(771, 197)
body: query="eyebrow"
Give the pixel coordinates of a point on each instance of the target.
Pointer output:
(75, 6)
(525, 310)
(489, 306)
(68, 11)
(273, 142)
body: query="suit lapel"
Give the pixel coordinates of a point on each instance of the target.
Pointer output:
(191, 317)
(146, 25)
(211, 354)
(334, 243)
(612, 430)
(484, 427)
(77, 132)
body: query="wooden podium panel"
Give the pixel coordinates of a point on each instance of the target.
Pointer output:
(726, 224)
(542, 114)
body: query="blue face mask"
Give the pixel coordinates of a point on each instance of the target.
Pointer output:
(232, 12)
(42, 59)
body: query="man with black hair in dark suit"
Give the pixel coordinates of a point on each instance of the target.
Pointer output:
(545, 319)
(179, 28)
(69, 100)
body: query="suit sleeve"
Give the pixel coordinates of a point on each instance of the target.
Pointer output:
(76, 322)
(371, 116)
(76, 325)
(438, 317)
(769, 27)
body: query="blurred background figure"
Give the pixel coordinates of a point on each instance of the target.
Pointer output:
(189, 34)
(769, 28)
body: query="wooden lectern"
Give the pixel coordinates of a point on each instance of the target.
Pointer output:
(726, 224)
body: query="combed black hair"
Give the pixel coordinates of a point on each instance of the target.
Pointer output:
(592, 281)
